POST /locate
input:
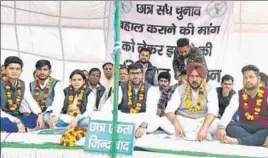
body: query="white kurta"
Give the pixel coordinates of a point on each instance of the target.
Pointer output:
(192, 125)
(149, 116)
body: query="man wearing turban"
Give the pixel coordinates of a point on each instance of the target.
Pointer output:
(192, 109)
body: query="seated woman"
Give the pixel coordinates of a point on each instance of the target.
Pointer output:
(78, 102)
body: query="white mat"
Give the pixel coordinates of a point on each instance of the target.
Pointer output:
(154, 142)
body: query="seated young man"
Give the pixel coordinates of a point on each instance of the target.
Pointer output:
(47, 93)
(193, 107)
(137, 102)
(163, 85)
(252, 105)
(15, 98)
(225, 93)
(168, 92)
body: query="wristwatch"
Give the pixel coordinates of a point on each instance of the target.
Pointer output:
(143, 125)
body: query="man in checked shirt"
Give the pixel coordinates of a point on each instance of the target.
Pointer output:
(167, 93)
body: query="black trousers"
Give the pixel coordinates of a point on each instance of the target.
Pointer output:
(246, 134)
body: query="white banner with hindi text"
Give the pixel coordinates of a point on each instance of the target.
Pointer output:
(159, 24)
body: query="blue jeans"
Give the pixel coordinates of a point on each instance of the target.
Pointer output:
(236, 117)
(11, 127)
(81, 123)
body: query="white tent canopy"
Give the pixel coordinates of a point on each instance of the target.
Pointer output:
(79, 34)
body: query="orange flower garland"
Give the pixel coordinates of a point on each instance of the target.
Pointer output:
(72, 135)
(139, 102)
(188, 100)
(71, 110)
(45, 95)
(13, 105)
(258, 104)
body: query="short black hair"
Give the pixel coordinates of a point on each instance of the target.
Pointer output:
(123, 67)
(94, 69)
(84, 71)
(264, 78)
(251, 68)
(107, 63)
(135, 66)
(165, 75)
(41, 63)
(182, 42)
(77, 72)
(183, 72)
(145, 50)
(226, 78)
(13, 60)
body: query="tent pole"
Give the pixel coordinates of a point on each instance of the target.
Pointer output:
(116, 74)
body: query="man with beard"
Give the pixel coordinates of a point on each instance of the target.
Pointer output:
(136, 101)
(107, 79)
(185, 54)
(15, 98)
(47, 92)
(150, 72)
(252, 105)
(94, 84)
(193, 107)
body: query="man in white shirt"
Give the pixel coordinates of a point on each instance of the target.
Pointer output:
(97, 89)
(107, 79)
(47, 92)
(193, 107)
(15, 97)
(137, 103)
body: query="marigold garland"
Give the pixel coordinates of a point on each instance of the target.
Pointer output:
(45, 95)
(71, 110)
(13, 105)
(140, 99)
(188, 100)
(258, 104)
(72, 135)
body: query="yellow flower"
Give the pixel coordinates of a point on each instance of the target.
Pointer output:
(12, 108)
(257, 109)
(138, 104)
(245, 96)
(71, 97)
(261, 91)
(188, 102)
(197, 108)
(133, 111)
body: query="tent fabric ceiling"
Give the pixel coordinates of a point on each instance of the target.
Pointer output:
(75, 33)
